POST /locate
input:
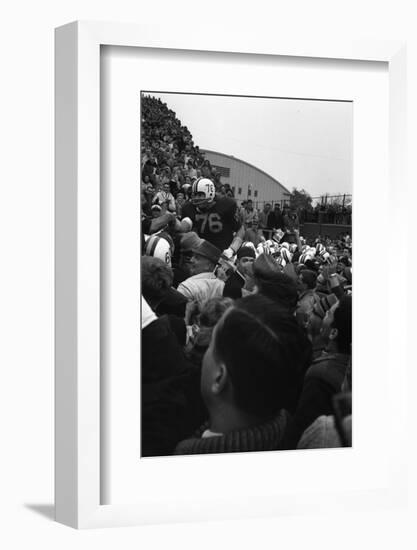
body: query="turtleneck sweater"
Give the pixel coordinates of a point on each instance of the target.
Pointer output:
(263, 437)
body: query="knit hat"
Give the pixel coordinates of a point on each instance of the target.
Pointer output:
(247, 251)
(250, 244)
(207, 250)
(272, 282)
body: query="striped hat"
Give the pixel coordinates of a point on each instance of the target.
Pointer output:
(274, 249)
(263, 248)
(304, 257)
(286, 255)
(281, 261)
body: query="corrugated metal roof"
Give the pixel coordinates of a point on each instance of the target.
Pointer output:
(248, 164)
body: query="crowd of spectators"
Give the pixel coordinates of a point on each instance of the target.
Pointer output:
(244, 353)
(170, 160)
(327, 212)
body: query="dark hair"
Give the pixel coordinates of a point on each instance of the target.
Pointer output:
(312, 265)
(156, 277)
(342, 320)
(309, 278)
(212, 309)
(210, 312)
(265, 353)
(273, 283)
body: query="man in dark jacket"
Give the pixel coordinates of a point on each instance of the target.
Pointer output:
(275, 218)
(233, 286)
(171, 402)
(157, 289)
(325, 376)
(249, 378)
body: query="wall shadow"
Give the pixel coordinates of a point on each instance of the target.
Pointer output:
(45, 510)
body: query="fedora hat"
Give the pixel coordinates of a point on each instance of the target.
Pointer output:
(207, 250)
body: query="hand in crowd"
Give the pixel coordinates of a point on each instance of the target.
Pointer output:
(329, 270)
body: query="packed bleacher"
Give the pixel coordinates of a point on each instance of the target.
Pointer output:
(170, 160)
(246, 325)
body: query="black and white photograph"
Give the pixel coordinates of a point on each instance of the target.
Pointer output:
(183, 364)
(246, 273)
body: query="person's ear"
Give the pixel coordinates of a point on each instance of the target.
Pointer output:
(220, 379)
(333, 334)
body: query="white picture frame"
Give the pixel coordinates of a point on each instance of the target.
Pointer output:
(77, 252)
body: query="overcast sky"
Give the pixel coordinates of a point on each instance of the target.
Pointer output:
(301, 143)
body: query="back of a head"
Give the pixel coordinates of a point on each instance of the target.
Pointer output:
(309, 277)
(156, 277)
(275, 284)
(263, 350)
(211, 310)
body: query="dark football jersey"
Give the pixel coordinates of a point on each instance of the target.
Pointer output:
(217, 224)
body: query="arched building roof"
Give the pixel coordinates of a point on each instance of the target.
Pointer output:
(240, 161)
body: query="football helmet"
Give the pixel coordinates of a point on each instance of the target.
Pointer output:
(281, 261)
(277, 235)
(206, 186)
(286, 254)
(158, 247)
(304, 257)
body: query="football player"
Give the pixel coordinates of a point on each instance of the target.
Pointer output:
(212, 218)
(159, 246)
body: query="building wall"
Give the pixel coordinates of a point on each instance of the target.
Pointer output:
(248, 181)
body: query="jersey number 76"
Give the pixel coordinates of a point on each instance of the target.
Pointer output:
(212, 220)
